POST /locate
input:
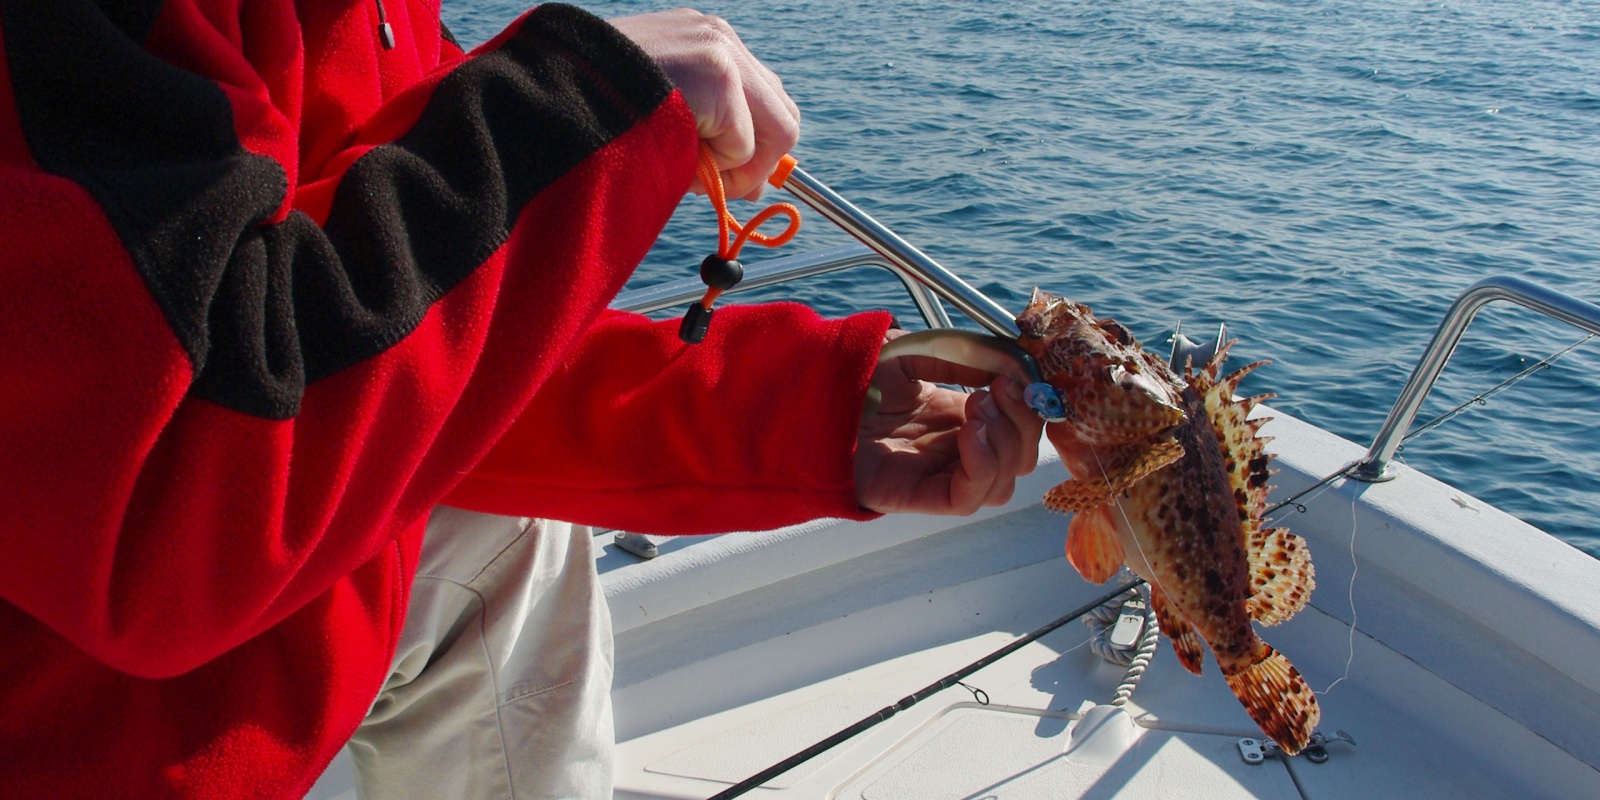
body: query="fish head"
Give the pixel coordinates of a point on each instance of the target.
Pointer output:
(1115, 393)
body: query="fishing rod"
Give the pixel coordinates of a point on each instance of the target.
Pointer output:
(721, 273)
(912, 699)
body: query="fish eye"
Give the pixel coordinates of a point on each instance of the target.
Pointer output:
(1117, 331)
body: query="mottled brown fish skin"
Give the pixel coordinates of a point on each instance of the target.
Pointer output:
(1187, 526)
(1173, 488)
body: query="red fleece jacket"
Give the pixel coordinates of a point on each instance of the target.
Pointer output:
(270, 293)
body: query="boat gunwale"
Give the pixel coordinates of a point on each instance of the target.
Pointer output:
(1491, 580)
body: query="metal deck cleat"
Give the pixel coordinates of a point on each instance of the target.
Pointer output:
(1256, 751)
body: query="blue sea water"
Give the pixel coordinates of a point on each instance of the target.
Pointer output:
(1322, 175)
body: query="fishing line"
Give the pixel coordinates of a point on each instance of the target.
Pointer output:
(1323, 485)
(1482, 398)
(1300, 507)
(1355, 566)
(1478, 399)
(1115, 501)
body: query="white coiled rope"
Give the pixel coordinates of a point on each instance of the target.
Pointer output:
(1136, 657)
(1145, 651)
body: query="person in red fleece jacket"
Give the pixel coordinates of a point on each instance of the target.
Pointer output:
(280, 278)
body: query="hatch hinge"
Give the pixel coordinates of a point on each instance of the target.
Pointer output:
(1255, 751)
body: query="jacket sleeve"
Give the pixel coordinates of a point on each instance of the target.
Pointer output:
(754, 428)
(222, 394)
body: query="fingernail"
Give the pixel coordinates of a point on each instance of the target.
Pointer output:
(982, 432)
(1014, 390)
(988, 407)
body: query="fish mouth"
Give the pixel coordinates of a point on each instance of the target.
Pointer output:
(1032, 321)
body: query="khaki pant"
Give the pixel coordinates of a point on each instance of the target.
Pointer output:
(501, 684)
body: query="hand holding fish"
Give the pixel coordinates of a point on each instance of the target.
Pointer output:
(932, 450)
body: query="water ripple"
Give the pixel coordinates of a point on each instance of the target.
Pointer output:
(1323, 177)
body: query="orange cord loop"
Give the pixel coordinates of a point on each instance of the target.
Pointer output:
(722, 271)
(729, 248)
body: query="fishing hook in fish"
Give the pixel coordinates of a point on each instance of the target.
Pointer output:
(993, 354)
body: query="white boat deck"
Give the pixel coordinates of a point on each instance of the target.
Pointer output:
(1473, 671)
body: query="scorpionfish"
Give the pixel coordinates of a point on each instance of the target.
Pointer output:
(1170, 477)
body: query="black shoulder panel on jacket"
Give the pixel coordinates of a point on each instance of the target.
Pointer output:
(262, 310)
(133, 17)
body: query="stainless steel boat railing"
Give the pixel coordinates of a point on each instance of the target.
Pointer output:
(922, 276)
(1377, 465)
(902, 256)
(924, 287)
(923, 283)
(925, 280)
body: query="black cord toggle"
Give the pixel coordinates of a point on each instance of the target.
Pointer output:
(719, 274)
(696, 322)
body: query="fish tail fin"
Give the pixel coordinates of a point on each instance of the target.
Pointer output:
(1186, 642)
(1277, 698)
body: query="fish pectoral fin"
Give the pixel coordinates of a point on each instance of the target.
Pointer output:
(1186, 642)
(1278, 699)
(1092, 545)
(1281, 575)
(1077, 495)
(1144, 461)
(1119, 469)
